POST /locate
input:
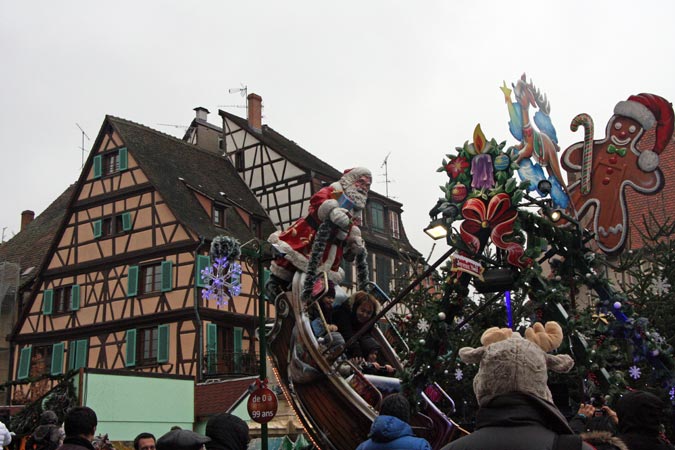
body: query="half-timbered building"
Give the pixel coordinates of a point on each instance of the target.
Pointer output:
(283, 176)
(119, 289)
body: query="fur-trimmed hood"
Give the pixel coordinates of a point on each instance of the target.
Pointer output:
(603, 440)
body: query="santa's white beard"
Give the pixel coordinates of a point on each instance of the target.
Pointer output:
(357, 197)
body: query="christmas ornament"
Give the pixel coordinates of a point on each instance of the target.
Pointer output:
(423, 326)
(635, 372)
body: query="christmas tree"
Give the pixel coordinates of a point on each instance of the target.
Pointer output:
(518, 262)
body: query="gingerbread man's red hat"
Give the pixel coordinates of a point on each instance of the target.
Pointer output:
(650, 111)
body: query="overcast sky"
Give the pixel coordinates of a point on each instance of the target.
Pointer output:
(350, 81)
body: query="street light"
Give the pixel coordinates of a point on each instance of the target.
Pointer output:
(437, 229)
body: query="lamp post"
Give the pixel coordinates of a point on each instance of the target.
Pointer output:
(261, 253)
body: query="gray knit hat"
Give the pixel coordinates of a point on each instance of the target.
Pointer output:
(509, 363)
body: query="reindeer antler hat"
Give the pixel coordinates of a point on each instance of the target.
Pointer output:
(509, 363)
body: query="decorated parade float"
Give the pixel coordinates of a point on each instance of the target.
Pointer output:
(525, 246)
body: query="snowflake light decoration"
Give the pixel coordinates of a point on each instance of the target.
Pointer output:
(459, 374)
(660, 286)
(423, 326)
(223, 279)
(635, 372)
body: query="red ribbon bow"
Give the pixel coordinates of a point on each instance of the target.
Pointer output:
(498, 217)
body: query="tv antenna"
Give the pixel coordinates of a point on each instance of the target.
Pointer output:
(84, 135)
(385, 164)
(243, 91)
(183, 127)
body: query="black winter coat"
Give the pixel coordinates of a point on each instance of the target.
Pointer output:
(76, 443)
(515, 421)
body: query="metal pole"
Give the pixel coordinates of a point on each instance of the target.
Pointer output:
(261, 335)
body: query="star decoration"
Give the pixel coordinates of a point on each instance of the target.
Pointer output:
(223, 280)
(660, 286)
(635, 372)
(423, 326)
(459, 374)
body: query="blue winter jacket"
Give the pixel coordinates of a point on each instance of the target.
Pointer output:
(391, 433)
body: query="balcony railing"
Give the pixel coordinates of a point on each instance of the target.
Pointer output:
(231, 364)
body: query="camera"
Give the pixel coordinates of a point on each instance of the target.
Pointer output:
(598, 403)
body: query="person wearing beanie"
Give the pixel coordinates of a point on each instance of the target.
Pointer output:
(391, 430)
(516, 407)
(227, 432)
(179, 439)
(640, 415)
(48, 435)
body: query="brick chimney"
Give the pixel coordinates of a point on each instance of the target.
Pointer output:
(255, 111)
(26, 217)
(202, 113)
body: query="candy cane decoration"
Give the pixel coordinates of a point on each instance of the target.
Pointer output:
(587, 156)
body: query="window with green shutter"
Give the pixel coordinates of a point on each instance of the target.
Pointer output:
(131, 348)
(203, 261)
(47, 302)
(132, 281)
(82, 353)
(163, 344)
(167, 276)
(211, 347)
(236, 348)
(126, 221)
(57, 358)
(24, 363)
(98, 166)
(124, 158)
(98, 228)
(75, 297)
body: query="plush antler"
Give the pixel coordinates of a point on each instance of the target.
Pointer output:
(548, 337)
(495, 334)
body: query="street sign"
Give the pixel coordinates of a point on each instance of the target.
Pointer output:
(262, 405)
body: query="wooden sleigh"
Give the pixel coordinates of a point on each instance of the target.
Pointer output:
(338, 411)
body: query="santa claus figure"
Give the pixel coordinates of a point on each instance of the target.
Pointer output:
(342, 204)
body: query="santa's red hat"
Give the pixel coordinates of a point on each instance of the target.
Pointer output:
(650, 111)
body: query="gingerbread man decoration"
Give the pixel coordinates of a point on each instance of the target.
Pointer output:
(608, 166)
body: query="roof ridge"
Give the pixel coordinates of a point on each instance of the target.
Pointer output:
(164, 135)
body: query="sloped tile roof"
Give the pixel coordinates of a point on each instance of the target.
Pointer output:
(31, 245)
(177, 168)
(220, 396)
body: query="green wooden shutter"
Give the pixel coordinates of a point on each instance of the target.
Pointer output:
(163, 343)
(82, 353)
(131, 348)
(24, 363)
(132, 281)
(75, 297)
(211, 346)
(167, 276)
(126, 221)
(57, 358)
(98, 166)
(72, 351)
(98, 228)
(123, 159)
(203, 261)
(47, 302)
(236, 348)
